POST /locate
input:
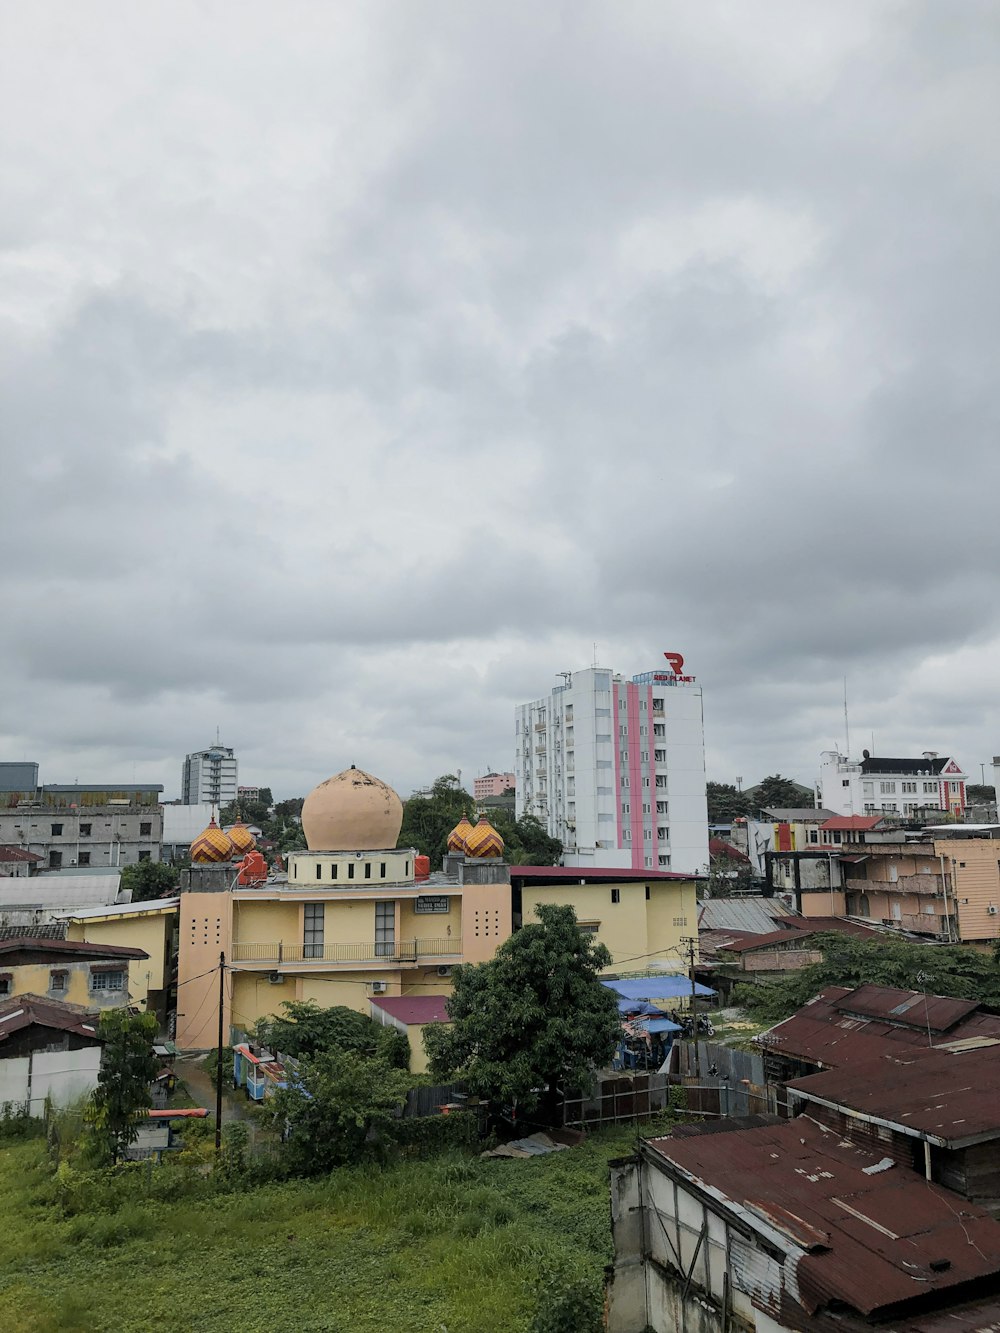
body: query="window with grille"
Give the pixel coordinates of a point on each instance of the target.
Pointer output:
(385, 929)
(107, 981)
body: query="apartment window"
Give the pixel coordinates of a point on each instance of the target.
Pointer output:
(663, 833)
(870, 810)
(333, 870)
(645, 782)
(886, 788)
(647, 835)
(909, 787)
(626, 835)
(868, 789)
(84, 830)
(145, 828)
(588, 927)
(624, 775)
(953, 786)
(381, 870)
(888, 807)
(350, 870)
(385, 929)
(813, 835)
(644, 730)
(645, 808)
(57, 981)
(661, 780)
(57, 830)
(55, 860)
(602, 712)
(6, 981)
(623, 730)
(664, 862)
(647, 893)
(368, 870)
(930, 788)
(657, 705)
(319, 870)
(649, 863)
(644, 756)
(145, 856)
(661, 807)
(625, 755)
(312, 930)
(85, 858)
(113, 981)
(625, 807)
(660, 756)
(847, 782)
(616, 895)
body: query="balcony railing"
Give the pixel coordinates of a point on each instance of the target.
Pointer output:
(403, 951)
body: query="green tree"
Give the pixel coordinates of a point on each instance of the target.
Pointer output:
(526, 840)
(251, 812)
(535, 1017)
(729, 871)
(778, 793)
(306, 1030)
(336, 1108)
(150, 879)
(977, 794)
(118, 1104)
(725, 802)
(850, 961)
(427, 820)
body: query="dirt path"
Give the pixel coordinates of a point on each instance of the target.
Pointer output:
(199, 1086)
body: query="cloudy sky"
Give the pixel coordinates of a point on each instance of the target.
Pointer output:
(364, 365)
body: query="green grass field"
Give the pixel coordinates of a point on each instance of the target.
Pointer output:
(450, 1243)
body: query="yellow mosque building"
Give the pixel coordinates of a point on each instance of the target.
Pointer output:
(354, 918)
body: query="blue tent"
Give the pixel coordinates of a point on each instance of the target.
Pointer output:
(629, 1008)
(667, 987)
(661, 1025)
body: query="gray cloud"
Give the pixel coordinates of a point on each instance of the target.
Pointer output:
(359, 370)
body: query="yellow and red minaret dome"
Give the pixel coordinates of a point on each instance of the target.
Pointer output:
(241, 838)
(458, 835)
(484, 841)
(211, 845)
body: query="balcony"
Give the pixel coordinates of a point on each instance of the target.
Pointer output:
(278, 954)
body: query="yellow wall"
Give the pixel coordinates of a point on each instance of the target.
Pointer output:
(431, 925)
(352, 989)
(266, 922)
(255, 997)
(33, 979)
(824, 903)
(487, 920)
(204, 931)
(148, 930)
(636, 931)
(974, 886)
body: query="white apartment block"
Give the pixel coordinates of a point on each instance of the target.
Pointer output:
(615, 769)
(874, 785)
(210, 777)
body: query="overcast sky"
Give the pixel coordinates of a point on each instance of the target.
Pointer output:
(363, 365)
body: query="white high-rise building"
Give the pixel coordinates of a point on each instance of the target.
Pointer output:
(209, 777)
(615, 769)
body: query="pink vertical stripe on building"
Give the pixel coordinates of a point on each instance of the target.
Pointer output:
(635, 777)
(616, 749)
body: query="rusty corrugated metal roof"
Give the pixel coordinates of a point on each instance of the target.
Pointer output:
(943, 1095)
(855, 1230)
(912, 1008)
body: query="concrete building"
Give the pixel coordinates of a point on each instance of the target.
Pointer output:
(615, 769)
(16, 863)
(210, 777)
(879, 786)
(150, 930)
(95, 975)
(50, 1051)
(77, 825)
(181, 825)
(18, 777)
(492, 784)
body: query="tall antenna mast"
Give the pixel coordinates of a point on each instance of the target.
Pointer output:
(847, 727)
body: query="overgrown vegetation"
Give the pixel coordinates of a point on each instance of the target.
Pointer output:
(453, 1242)
(849, 961)
(119, 1103)
(427, 821)
(306, 1030)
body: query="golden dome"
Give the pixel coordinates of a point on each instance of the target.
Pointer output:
(458, 835)
(352, 812)
(210, 846)
(241, 838)
(484, 841)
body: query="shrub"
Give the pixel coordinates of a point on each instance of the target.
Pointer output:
(568, 1305)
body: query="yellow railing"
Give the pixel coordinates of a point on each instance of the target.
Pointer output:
(403, 951)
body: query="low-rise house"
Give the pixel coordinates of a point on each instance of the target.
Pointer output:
(94, 975)
(31, 901)
(936, 1109)
(151, 928)
(791, 1226)
(18, 862)
(791, 947)
(411, 1014)
(843, 1026)
(49, 1050)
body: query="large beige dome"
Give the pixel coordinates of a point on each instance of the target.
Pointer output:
(352, 812)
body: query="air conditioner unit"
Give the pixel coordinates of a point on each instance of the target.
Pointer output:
(444, 971)
(379, 987)
(275, 978)
(992, 910)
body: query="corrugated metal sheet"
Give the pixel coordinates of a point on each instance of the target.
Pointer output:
(882, 1231)
(912, 1008)
(756, 915)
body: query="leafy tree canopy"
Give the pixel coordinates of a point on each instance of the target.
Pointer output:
(337, 1106)
(976, 793)
(251, 812)
(306, 1030)
(427, 820)
(118, 1104)
(850, 961)
(535, 1015)
(150, 879)
(777, 793)
(526, 840)
(725, 802)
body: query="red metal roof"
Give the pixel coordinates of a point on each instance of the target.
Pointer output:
(8, 853)
(943, 1094)
(799, 929)
(865, 1237)
(719, 847)
(574, 874)
(414, 1008)
(852, 823)
(65, 948)
(911, 1008)
(823, 1033)
(22, 1011)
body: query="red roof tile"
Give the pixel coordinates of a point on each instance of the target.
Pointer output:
(8, 853)
(414, 1008)
(22, 1011)
(855, 823)
(574, 874)
(67, 948)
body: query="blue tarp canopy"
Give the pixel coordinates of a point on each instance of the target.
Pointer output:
(630, 1008)
(661, 1025)
(667, 987)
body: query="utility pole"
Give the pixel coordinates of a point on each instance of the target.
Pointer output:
(218, 1063)
(691, 943)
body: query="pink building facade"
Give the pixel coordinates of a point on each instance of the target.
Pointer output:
(492, 784)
